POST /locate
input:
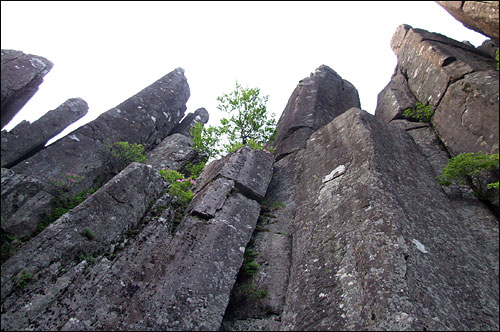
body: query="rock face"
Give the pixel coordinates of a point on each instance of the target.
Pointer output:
(21, 76)
(480, 16)
(26, 138)
(145, 118)
(344, 228)
(200, 115)
(327, 94)
(165, 295)
(459, 82)
(362, 265)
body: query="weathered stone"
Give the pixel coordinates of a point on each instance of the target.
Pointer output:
(376, 244)
(174, 152)
(480, 16)
(250, 169)
(489, 47)
(467, 116)
(24, 202)
(273, 243)
(209, 200)
(26, 139)
(21, 76)
(395, 98)
(314, 102)
(184, 127)
(431, 61)
(145, 118)
(106, 215)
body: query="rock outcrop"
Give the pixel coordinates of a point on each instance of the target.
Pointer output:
(480, 16)
(199, 116)
(21, 76)
(459, 82)
(155, 269)
(344, 228)
(26, 138)
(325, 92)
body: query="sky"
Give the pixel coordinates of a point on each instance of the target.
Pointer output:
(105, 52)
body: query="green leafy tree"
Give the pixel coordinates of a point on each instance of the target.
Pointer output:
(467, 166)
(247, 123)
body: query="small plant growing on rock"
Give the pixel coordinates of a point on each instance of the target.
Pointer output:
(88, 234)
(117, 156)
(421, 113)
(180, 187)
(23, 279)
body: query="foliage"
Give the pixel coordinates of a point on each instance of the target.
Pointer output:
(195, 170)
(465, 165)
(63, 205)
(23, 279)
(88, 234)
(89, 258)
(248, 123)
(421, 113)
(180, 186)
(119, 155)
(250, 266)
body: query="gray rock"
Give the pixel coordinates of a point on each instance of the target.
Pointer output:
(211, 198)
(174, 152)
(467, 116)
(115, 208)
(26, 139)
(395, 98)
(145, 118)
(250, 169)
(376, 244)
(314, 102)
(489, 47)
(21, 76)
(480, 16)
(24, 202)
(184, 127)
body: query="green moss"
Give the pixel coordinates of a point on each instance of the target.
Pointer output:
(420, 113)
(88, 234)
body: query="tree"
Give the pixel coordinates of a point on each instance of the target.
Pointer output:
(248, 123)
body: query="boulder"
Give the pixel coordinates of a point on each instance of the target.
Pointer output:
(184, 127)
(376, 243)
(26, 138)
(314, 102)
(88, 230)
(480, 16)
(21, 76)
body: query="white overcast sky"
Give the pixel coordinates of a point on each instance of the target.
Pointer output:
(105, 52)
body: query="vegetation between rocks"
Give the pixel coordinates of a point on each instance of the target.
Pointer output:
(420, 113)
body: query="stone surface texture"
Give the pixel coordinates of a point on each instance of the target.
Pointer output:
(199, 116)
(373, 239)
(26, 138)
(480, 16)
(21, 76)
(315, 101)
(115, 208)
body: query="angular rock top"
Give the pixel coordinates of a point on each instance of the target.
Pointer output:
(200, 115)
(480, 16)
(250, 169)
(21, 75)
(314, 102)
(26, 139)
(458, 82)
(145, 118)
